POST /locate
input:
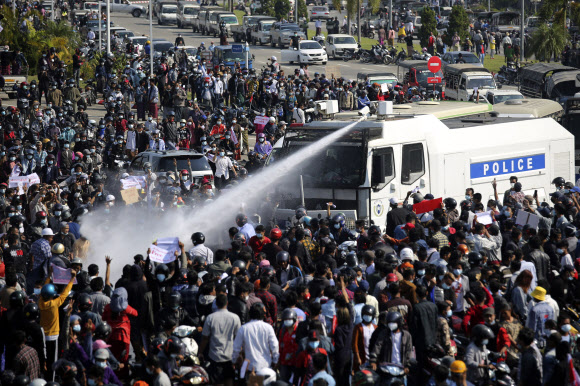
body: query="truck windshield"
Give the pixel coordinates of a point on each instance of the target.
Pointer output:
(338, 166)
(190, 11)
(266, 27)
(229, 56)
(423, 75)
(169, 10)
(230, 19)
(483, 82)
(289, 27)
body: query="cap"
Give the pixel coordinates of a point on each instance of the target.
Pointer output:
(539, 293)
(393, 201)
(100, 344)
(406, 265)
(558, 195)
(568, 268)
(364, 285)
(47, 232)
(408, 226)
(313, 335)
(575, 189)
(102, 354)
(264, 263)
(391, 277)
(406, 254)
(110, 197)
(489, 311)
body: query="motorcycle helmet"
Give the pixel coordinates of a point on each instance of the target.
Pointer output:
(338, 219)
(481, 332)
(197, 376)
(392, 260)
(351, 259)
(31, 311)
(463, 249)
(374, 230)
(21, 380)
(474, 258)
(394, 320)
(241, 219)
(161, 272)
(368, 310)
(174, 300)
(300, 212)
(282, 256)
(48, 291)
(17, 299)
(156, 345)
(103, 331)
(172, 345)
(458, 367)
(450, 203)
(365, 377)
(239, 264)
(289, 314)
(197, 238)
(240, 237)
(85, 302)
(275, 234)
(558, 181)
(58, 249)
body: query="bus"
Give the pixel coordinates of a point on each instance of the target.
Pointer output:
(503, 22)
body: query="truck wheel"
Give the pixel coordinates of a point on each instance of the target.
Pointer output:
(179, 24)
(273, 44)
(136, 13)
(159, 22)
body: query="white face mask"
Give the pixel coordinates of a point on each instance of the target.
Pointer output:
(393, 326)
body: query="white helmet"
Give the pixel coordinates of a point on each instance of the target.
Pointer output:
(272, 119)
(37, 382)
(273, 58)
(268, 374)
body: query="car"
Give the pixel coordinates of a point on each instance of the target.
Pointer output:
(94, 25)
(467, 58)
(320, 13)
(309, 51)
(125, 34)
(162, 163)
(499, 96)
(162, 46)
(337, 43)
(167, 14)
(139, 42)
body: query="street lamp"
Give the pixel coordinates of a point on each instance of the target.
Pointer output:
(108, 27)
(151, 37)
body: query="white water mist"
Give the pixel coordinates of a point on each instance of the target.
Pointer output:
(132, 231)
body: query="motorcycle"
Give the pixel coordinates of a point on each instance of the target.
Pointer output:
(389, 373)
(401, 56)
(508, 73)
(421, 56)
(349, 53)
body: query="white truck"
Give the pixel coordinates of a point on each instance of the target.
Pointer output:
(281, 34)
(186, 13)
(261, 32)
(386, 157)
(309, 52)
(336, 44)
(241, 32)
(462, 80)
(216, 19)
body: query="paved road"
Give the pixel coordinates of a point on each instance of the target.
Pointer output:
(140, 26)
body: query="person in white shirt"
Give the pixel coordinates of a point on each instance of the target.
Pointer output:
(318, 26)
(562, 250)
(257, 340)
(223, 165)
(90, 35)
(150, 125)
(481, 239)
(199, 249)
(212, 47)
(156, 143)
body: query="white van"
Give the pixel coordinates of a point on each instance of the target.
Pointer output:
(387, 157)
(461, 80)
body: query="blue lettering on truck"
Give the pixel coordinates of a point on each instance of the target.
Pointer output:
(508, 166)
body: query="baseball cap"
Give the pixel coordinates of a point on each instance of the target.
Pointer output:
(102, 354)
(393, 201)
(100, 344)
(364, 285)
(264, 263)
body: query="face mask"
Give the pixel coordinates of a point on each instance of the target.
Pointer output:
(12, 158)
(559, 251)
(11, 214)
(467, 197)
(219, 122)
(313, 345)
(485, 342)
(160, 277)
(566, 327)
(222, 153)
(66, 146)
(91, 382)
(393, 326)
(421, 272)
(19, 207)
(2, 191)
(37, 291)
(449, 313)
(336, 226)
(445, 286)
(367, 318)
(150, 119)
(44, 222)
(173, 355)
(259, 235)
(441, 277)
(227, 137)
(457, 272)
(101, 364)
(6, 246)
(492, 323)
(149, 371)
(288, 323)
(512, 185)
(570, 278)
(57, 213)
(359, 278)
(261, 140)
(77, 328)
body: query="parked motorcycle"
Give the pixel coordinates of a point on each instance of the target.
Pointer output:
(389, 373)
(508, 74)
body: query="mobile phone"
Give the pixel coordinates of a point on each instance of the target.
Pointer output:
(535, 193)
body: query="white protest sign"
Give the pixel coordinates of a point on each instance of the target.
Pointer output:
(14, 182)
(171, 244)
(15, 171)
(384, 87)
(160, 255)
(259, 120)
(33, 179)
(138, 182)
(485, 218)
(61, 275)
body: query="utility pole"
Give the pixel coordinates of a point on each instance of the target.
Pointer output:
(151, 37)
(358, 28)
(522, 34)
(390, 14)
(108, 27)
(100, 29)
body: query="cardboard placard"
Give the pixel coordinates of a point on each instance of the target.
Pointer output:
(139, 182)
(260, 120)
(332, 70)
(485, 218)
(531, 219)
(160, 255)
(61, 275)
(130, 196)
(427, 205)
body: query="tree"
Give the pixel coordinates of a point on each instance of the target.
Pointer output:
(282, 9)
(458, 22)
(548, 41)
(428, 25)
(302, 9)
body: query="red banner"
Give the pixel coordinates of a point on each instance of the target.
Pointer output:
(427, 205)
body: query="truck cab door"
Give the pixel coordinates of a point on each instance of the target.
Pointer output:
(384, 184)
(414, 168)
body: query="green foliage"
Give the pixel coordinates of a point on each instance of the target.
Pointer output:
(282, 8)
(302, 9)
(502, 4)
(428, 25)
(548, 42)
(268, 7)
(458, 22)
(553, 10)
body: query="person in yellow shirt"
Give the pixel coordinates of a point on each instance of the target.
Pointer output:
(49, 303)
(402, 34)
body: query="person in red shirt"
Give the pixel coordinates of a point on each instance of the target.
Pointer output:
(288, 344)
(304, 366)
(258, 241)
(474, 316)
(117, 314)
(219, 129)
(431, 45)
